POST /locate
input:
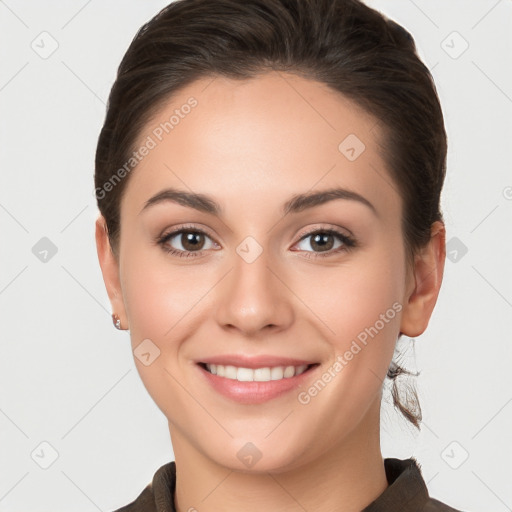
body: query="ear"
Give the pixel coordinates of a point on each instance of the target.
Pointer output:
(110, 270)
(425, 284)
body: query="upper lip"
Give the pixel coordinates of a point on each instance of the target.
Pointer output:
(261, 361)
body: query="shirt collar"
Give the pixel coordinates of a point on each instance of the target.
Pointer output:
(406, 488)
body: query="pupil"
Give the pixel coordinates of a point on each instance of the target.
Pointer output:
(191, 242)
(320, 241)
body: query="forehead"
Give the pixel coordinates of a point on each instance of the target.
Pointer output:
(259, 140)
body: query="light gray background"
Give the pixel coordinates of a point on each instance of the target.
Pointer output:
(67, 377)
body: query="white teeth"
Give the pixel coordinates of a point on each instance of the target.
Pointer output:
(261, 374)
(289, 371)
(244, 374)
(276, 373)
(257, 374)
(230, 372)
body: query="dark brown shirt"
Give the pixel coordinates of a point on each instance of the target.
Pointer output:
(406, 492)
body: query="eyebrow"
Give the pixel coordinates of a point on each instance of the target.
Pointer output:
(296, 204)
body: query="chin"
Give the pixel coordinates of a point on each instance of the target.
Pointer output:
(254, 457)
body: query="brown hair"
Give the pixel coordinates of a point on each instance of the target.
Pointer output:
(342, 43)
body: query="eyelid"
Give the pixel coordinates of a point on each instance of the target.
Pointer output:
(326, 227)
(348, 241)
(169, 232)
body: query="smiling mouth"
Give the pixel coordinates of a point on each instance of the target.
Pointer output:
(264, 374)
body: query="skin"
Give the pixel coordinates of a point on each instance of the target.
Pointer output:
(252, 145)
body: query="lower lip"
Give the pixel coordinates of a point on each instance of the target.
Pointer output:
(254, 392)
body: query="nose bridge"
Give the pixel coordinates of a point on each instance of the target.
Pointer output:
(253, 297)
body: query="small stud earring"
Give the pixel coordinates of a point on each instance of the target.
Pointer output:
(117, 321)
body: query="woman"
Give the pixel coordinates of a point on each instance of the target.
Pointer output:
(268, 176)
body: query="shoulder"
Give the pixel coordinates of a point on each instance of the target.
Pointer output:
(431, 505)
(406, 490)
(145, 502)
(158, 495)
(434, 505)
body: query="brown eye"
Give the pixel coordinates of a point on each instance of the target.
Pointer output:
(186, 242)
(191, 241)
(326, 241)
(323, 241)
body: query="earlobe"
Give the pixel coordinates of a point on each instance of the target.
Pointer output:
(427, 277)
(110, 270)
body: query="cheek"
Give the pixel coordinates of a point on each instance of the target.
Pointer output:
(356, 296)
(360, 307)
(344, 301)
(161, 304)
(161, 301)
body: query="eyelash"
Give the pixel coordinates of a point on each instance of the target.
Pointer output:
(347, 241)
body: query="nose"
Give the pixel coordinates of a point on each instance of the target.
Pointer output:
(254, 298)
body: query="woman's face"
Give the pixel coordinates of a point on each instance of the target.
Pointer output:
(265, 283)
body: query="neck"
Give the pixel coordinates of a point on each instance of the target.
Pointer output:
(347, 478)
